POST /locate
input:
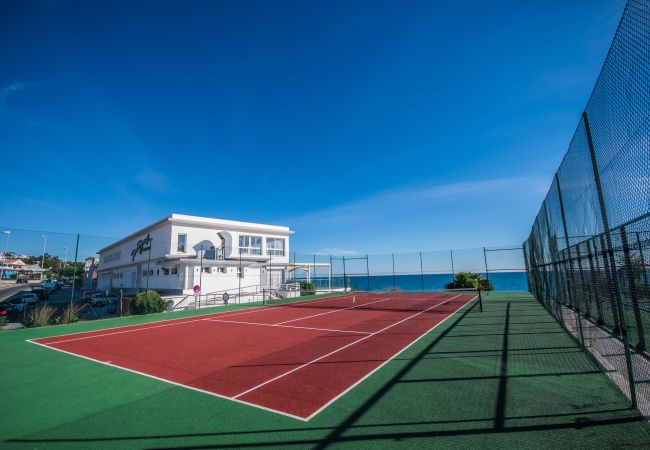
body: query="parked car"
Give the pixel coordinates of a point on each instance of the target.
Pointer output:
(49, 286)
(101, 299)
(6, 308)
(88, 294)
(21, 280)
(60, 284)
(41, 293)
(29, 297)
(19, 304)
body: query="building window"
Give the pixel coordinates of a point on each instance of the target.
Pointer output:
(174, 270)
(207, 269)
(250, 245)
(182, 238)
(112, 257)
(165, 271)
(222, 269)
(275, 246)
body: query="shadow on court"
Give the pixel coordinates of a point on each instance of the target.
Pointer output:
(480, 380)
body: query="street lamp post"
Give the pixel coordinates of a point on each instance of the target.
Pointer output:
(65, 260)
(4, 255)
(43, 257)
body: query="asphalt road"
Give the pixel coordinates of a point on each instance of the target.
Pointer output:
(59, 299)
(9, 290)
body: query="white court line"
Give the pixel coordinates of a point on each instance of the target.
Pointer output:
(265, 408)
(286, 326)
(177, 321)
(339, 349)
(360, 380)
(332, 312)
(214, 394)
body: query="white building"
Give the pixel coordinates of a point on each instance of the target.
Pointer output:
(179, 252)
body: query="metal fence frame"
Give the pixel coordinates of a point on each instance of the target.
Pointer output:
(587, 252)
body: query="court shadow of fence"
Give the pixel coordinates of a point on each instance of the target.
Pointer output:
(448, 371)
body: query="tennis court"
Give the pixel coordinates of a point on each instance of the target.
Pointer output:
(294, 359)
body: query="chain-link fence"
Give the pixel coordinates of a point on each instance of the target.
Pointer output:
(588, 251)
(415, 271)
(40, 257)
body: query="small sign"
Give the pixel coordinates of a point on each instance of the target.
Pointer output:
(197, 288)
(226, 297)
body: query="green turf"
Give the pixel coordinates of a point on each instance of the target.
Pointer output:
(508, 377)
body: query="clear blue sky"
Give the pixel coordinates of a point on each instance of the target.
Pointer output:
(371, 127)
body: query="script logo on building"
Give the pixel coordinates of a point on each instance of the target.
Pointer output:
(143, 245)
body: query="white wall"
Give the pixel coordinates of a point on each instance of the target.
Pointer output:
(208, 236)
(126, 270)
(160, 246)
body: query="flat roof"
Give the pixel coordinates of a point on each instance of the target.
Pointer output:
(184, 219)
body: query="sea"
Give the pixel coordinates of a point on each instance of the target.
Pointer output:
(502, 281)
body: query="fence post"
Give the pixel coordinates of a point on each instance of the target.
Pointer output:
(583, 284)
(330, 273)
(345, 280)
(528, 268)
(612, 262)
(594, 277)
(487, 275)
(642, 259)
(638, 321)
(570, 279)
(556, 275)
(421, 271)
(392, 255)
(368, 272)
(74, 272)
(453, 272)
(609, 275)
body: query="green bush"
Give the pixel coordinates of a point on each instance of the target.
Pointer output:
(470, 280)
(307, 288)
(149, 302)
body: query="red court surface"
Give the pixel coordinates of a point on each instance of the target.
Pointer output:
(293, 359)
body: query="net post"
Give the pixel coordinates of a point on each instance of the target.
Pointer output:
(480, 297)
(345, 280)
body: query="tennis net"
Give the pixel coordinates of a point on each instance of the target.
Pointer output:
(376, 300)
